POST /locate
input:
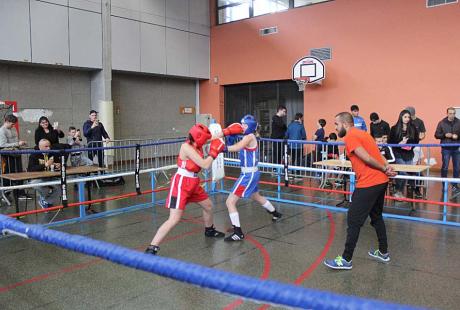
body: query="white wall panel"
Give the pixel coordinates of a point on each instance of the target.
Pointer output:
(177, 52)
(125, 44)
(177, 15)
(90, 5)
(153, 48)
(153, 11)
(85, 29)
(60, 2)
(199, 55)
(50, 33)
(14, 30)
(126, 8)
(199, 17)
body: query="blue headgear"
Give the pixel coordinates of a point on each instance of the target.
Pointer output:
(251, 122)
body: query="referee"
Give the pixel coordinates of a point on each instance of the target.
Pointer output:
(372, 171)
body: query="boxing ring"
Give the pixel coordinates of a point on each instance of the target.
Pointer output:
(262, 291)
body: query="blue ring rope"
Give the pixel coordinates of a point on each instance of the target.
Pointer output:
(272, 292)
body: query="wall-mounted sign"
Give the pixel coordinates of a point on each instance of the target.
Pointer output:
(187, 110)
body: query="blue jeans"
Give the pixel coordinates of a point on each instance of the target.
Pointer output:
(446, 155)
(399, 184)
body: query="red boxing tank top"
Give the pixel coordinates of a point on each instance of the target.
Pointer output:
(188, 164)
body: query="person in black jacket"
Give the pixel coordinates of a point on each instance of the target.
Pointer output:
(404, 132)
(48, 132)
(278, 132)
(95, 134)
(378, 126)
(448, 131)
(47, 195)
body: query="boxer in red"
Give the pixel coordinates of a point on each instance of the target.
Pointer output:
(185, 184)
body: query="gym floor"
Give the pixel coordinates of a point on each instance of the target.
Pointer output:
(423, 270)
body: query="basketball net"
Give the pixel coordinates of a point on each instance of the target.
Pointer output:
(301, 82)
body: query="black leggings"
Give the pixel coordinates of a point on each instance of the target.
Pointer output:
(366, 202)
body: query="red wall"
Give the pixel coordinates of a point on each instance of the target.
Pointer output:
(386, 54)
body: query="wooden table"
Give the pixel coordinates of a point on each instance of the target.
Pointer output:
(346, 164)
(397, 167)
(25, 176)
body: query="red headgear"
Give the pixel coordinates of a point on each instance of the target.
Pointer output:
(200, 134)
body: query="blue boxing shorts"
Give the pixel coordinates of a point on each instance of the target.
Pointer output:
(247, 184)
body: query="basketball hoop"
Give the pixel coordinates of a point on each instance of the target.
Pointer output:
(308, 70)
(301, 83)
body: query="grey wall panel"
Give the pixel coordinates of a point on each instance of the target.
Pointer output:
(66, 93)
(177, 52)
(126, 8)
(85, 29)
(177, 14)
(153, 48)
(149, 106)
(89, 5)
(199, 17)
(153, 11)
(14, 30)
(125, 44)
(199, 56)
(50, 33)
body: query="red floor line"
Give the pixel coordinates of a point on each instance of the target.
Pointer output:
(79, 266)
(266, 272)
(318, 260)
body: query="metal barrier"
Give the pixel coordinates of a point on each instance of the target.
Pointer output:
(156, 156)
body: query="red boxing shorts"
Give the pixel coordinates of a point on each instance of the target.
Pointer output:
(184, 189)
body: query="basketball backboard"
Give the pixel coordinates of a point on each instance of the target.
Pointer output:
(308, 70)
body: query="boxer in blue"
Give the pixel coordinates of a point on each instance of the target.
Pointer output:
(247, 184)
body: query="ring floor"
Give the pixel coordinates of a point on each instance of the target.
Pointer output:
(423, 270)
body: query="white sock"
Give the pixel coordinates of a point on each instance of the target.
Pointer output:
(268, 206)
(235, 218)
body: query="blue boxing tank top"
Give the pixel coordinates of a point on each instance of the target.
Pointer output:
(249, 157)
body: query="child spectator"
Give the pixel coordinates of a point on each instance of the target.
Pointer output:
(386, 151)
(74, 140)
(332, 150)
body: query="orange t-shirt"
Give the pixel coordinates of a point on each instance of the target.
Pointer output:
(366, 176)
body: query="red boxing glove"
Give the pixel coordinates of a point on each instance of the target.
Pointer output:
(233, 129)
(216, 147)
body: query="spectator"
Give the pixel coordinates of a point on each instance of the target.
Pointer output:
(420, 126)
(48, 195)
(418, 123)
(404, 132)
(74, 140)
(278, 132)
(358, 120)
(9, 141)
(448, 131)
(296, 131)
(95, 134)
(48, 132)
(332, 150)
(385, 150)
(378, 126)
(320, 137)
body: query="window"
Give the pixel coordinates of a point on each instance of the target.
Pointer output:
(432, 3)
(229, 11)
(233, 10)
(298, 3)
(261, 100)
(262, 7)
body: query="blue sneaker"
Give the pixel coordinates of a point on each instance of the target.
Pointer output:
(43, 203)
(378, 255)
(338, 263)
